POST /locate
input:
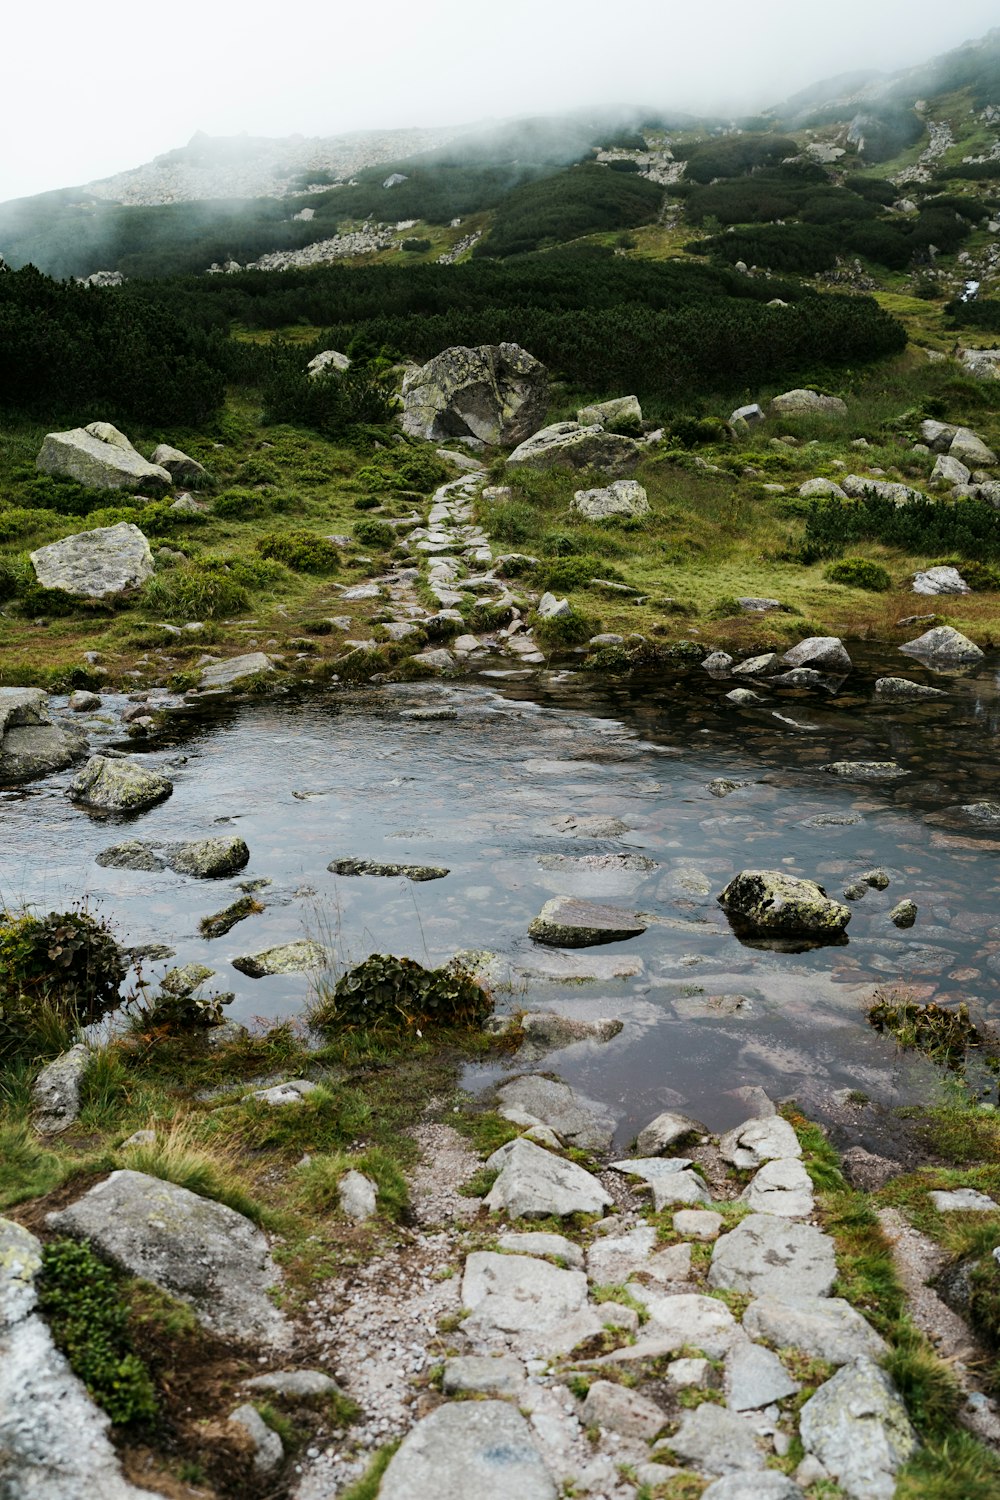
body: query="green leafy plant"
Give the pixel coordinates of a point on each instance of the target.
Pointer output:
(302, 550)
(372, 533)
(69, 959)
(859, 573)
(385, 991)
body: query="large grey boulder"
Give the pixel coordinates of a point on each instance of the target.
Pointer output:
(31, 745)
(816, 489)
(497, 393)
(772, 903)
(716, 1441)
(235, 669)
(578, 1120)
(55, 1093)
(937, 435)
(901, 690)
(856, 1425)
(567, 922)
(95, 564)
(970, 449)
(200, 1251)
(668, 1177)
(825, 653)
(182, 468)
(982, 364)
(329, 361)
(518, 1297)
(468, 1448)
(621, 412)
(949, 471)
(116, 784)
(577, 447)
(535, 1184)
(942, 580)
(102, 458)
(801, 403)
(826, 1327)
(768, 1256)
(208, 859)
(857, 486)
(624, 497)
(54, 1442)
(943, 647)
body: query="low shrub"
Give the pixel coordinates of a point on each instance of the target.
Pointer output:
(512, 521)
(372, 533)
(196, 591)
(416, 246)
(860, 573)
(68, 959)
(565, 630)
(388, 992)
(16, 522)
(303, 551)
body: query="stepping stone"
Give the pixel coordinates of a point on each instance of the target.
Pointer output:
(612, 1259)
(716, 1441)
(617, 1409)
(755, 1377)
(756, 1141)
(518, 1297)
(698, 1223)
(665, 1131)
(857, 1426)
(668, 1178)
(826, 1327)
(469, 1448)
(766, 1256)
(483, 1375)
(580, 1121)
(569, 923)
(535, 1184)
(679, 1319)
(781, 1187)
(541, 1244)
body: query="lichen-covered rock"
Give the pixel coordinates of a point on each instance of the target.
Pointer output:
(624, 497)
(622, 412)
(208, 859)
(566, 922)
(330, 359)
(943, 646)
(716, 1441)
(182, 468)
(768, 1256)
(102, 458)
(535, 1184)
(825, 653)
(235, 669)
(469, 1448)
(287, 958)
(668, 1129)
(497, 393)
(95, 564)
(856, 1425)
(118, 785)
(382, 868)
(941, 580)
(800, 403)
(577, 447)
(769, 902)
(201, 1251)
(55, 1093)
(578, 1120)
(865, 770)
(750, 1145)
(826, 1327)
(901, 690)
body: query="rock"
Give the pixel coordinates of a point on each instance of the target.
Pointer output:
(118, 785)
(437, 659)
(617, 1409)
(229, 673)
(753, 415)
(186, 980)
(825, 1327)
(612, 1259)
(549, 1029)
(95, 564)
(759, 666)
(358, 1196)
(800, 403)
(566, 922)
(287, 958)
(717, 662)
(905, 914)
(180, 466)
(753, 604)
(766, 1256)
(970, 449)
(330, 359)
(744, 698)
(496, 393)
(133, 854)
(865, 770)
(578, 1120)
(672, 1264)
(937, 435)
(577, 447)
(755, 1377)
(781, 1187)
(551, 608)
(857, 486)
(943, 646)
(468, 1448)
(625, 497)
(682, 1374)
(940, 581)
(681, 1320)
(868, 1171)
(716, 1441)
(769, 902)
(620, 412)
(723, 786)
(823, 652)
(82, 702)
(948, 471)
(593, 826)
(535, 1184)
(31, 745)
(198, 1250)
(482, 1375)
(55, 1093)
(102, 458)
(667, 1130)
(208, 859)
(668, 1178)
(268, 1450)
(816, 488)
(295, 1384)
(769, 1485)
(538, 1243)
(750, 1145)
(963, 1200)
(900, 689)
(516, 1295)
(378, 867)
(856, 1425)
(698, 1223)
(293, 1091)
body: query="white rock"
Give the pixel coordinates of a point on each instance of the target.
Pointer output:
(668, 1178)
(683, 1318)
(95, 564)
(698, 1223)
(963, 1200)
(769, 1256)
(826, 1327)
(857, 1426)
(535, 1184)
(625, 497)
(518, 1297)
(611, 1260)
(551, 608)
(755, 1377)
(783, 1187)
(268, 1449)
(358, 1196)
(749, 1145)
(618, 1409)
(940, 581)
(467, 1449)
(665, 1131)
(539, 1243)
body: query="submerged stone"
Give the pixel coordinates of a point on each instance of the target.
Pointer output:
(566, 922)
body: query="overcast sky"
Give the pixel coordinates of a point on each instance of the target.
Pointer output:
(90, 91)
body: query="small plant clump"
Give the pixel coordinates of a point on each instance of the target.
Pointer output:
(389, 992)
(302, 550)
(373, 533)
(66, 959)
(860, 573)
(945, 1036)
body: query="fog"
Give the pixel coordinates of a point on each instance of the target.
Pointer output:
(87, 94)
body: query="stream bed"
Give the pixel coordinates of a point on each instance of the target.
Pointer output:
(492, 794)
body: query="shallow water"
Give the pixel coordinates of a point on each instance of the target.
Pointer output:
(314, 778)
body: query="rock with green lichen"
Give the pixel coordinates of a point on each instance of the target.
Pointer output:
(118, 785)
(569, 923)
(288, 958)
(769, 902)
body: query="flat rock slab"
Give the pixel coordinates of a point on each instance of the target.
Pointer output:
(749, 1145)
(483, 1375)
(612, 1258)
(289, 958)
(201, 1251)
(755, 1377)
(96, 564)
(116, 784)
(470, 1448)
(856, 1425)
(716, 1441)
(578, 1120)
(768, 1256)
(538, 1242)
(548, 1028)
(535, 1184)
(768, 1485)
(517, 1296)
(963, 1201)
(569, 923)
(617, 1409)
(678, 1320)
(378, 867)
(781, 1187)
(668, 1178)
(826, 1327)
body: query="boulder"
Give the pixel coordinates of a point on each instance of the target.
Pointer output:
(578, 1120)
(900, 689)
(551, 608)
(764, 665)
(625, 497)
(905, 914)
(769, 903)
(937, 435)
(757, 1141)
(577, 447)
(468, 1448)
(208, 859)
(116, 784)
(857, 486)
(856, 1425)
(825, 653)
(752, 415)
(268, 1450)
(516, 1296)
(235, 669)
(623, 412)
(825, 1327)
(548, 1028)
(949, 471)
(767, 1256)
(200, 1251)
(288, 958)
(982, 364)
(943, 646)
(182, 468)
(969, 449)
(612, 1258)
(940, 581)
(668, 1129)
(755, 1377)
(800, 403)
(668, 1177)
(716, 1441)
(330, 359)
(55, 1093)
(821, 488)
(102, 458)
(698, 1223)
(496, 393)
(380, 868)
(781, 1187)
(31, 745)
(95, 564)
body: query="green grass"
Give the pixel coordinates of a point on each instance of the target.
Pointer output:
(367, 1487)
(318, 1181)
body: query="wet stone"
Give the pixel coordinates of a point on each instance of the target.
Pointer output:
(578, 1120)
(865, 770)
(569, 923)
